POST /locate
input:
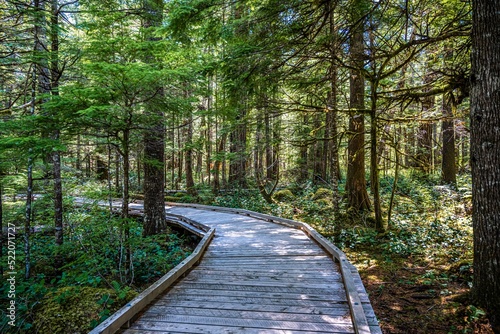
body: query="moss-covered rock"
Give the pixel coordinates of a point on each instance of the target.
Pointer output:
(77, 309)
(322, 193)
(284, 195)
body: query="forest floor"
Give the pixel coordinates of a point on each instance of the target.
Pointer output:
(416, 296)
(418, 274)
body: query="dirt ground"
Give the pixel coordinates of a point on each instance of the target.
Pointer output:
(408, 300)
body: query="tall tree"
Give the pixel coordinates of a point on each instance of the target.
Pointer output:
(154, 137)
(449, 166)
(356, 183)
(55, 75)
(485, 159)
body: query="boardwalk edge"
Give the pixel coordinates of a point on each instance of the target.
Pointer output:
(136, 305)
(360, 321)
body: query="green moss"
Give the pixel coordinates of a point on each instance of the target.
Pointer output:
(283, 195)
(322, 193)
(324, 201)
(77, 309)
(171, 199)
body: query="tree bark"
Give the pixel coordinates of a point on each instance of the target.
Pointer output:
(449, 166)
(238, 161)
(356, 183)
(188, 159)
(485, 156)
(154, 140)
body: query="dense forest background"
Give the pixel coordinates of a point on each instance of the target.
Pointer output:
(350, 115)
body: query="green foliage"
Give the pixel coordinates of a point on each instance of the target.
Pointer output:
(93, 284)
(322, 193)
(284, 195)
(78, 309)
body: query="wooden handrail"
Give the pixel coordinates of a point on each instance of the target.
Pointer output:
(132, 308)
(358, 315)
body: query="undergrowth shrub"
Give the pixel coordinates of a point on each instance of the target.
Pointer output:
(76, 309)
(93, 253)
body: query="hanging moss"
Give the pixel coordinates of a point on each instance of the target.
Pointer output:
(78, 309)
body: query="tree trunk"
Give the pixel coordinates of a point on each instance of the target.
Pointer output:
(356, 183)
(380, 225)
(218, 163)
(331, 115)
(154, 138)
(485, 156)
(303, 163)
(425, 136)
(237, 163)
(449, 167)
(189, 157)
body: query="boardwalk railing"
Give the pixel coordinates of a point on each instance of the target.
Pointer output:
(136, 305)
(128, 312)
(360, 322)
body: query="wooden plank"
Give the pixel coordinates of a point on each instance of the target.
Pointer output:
(262, 285)
(167, 320)
(344, 318)
(273, 273)
(187, 306)
(277, 299)
(244, 279)
(178, 293)
(205, 329)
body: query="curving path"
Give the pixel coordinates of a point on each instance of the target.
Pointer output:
(258, 276)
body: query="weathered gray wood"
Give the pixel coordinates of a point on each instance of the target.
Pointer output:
(258, 277)
(182, 307)
(357, 298)
(343, 318)
(165, 322)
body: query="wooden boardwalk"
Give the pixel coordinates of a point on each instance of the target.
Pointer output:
(257, 277)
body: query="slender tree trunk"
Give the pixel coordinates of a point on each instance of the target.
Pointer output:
(189, 156)
(125, 204)
(55, 74)
(303, 159)
(425, 135)
(449, 166)
(380, 225)
(394, 184)
(238, 161)
(218, 163)
(78, 165)
(485, 156)
(118, 157)
(268, 145)
(356, 183)
(331, 116)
